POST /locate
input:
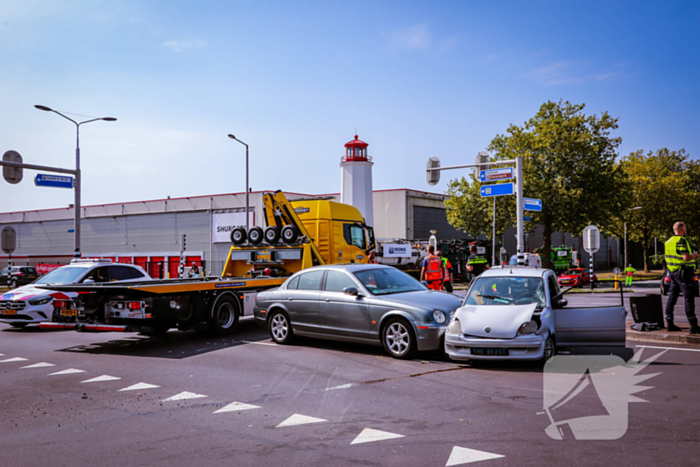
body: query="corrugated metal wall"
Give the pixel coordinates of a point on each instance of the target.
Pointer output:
(426, 219)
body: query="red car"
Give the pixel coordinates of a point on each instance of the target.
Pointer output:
(577, 277)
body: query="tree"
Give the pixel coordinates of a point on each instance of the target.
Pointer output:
(661, 183)
(568, 163)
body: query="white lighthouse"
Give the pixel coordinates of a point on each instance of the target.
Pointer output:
(356, 179)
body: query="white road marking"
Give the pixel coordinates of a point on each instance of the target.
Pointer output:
(15, 359)
(101, 378)
(666, 348)
(370, 435)
(69, 371)
(138, 386)
(466, 456)
(298, 419)
(38, 365)
(342, 386)
(184, 396)
(259, 343)
(236, 406)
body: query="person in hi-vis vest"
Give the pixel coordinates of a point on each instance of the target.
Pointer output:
(629, 275)
(433, 270)
(681, 266)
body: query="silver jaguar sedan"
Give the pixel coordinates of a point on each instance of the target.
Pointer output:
(362, 303)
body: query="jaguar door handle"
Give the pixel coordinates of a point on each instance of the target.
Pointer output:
(290, 298)
(327, 299)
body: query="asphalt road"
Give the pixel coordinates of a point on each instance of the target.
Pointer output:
(430, 410)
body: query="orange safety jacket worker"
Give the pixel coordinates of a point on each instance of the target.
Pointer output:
(433, 268)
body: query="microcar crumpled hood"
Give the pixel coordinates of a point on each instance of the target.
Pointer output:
(503, 321)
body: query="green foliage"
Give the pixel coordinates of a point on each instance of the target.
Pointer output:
(568, 163)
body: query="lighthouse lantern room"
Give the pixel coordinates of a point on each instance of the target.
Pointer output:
(356, 179)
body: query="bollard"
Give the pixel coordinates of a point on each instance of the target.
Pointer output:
(616, 283)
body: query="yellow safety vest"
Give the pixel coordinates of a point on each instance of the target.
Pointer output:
(673, 260)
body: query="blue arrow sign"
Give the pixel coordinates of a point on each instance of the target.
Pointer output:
(530, 204)
(500, 189)
(54, 181)
(496, 174)
(526, 218)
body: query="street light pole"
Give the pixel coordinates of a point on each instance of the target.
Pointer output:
(247, 187)
(76, 188)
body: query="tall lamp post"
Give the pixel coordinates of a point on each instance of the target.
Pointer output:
(247, 188)
(76, 189)
(630, 209)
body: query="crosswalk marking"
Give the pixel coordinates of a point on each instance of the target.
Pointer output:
(466, 456)
(15, 359)
(38, 365)
(100, 379)
(370, 435)
(138, 386)
(236, 406)
(69, 371)
(298, 419)
(184, 396)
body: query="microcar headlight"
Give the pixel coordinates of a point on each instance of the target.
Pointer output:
(528, 328)
(439, 316)
(455, 327)
(40, 301)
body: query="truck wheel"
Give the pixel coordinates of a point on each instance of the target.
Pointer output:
(255, 235)
(280, 328)
(224, 316)
(238, 235)
(272, 234)
(290, 234)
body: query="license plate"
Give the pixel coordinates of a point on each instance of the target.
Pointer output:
(489, 351)
(69, 312)
(9, 312)
(565, 281)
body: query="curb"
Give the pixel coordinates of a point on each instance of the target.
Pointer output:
(663, 337)
(589, 291)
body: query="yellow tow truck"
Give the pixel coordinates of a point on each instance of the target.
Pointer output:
(299, 234)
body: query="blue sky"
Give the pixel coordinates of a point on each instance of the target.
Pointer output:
(294, 80)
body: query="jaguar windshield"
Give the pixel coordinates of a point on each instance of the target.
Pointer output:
(384, 281)
(507, 291)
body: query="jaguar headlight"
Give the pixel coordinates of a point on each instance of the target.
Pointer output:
(439, 316)
(528, 328)
(40, 301)
(455, 327)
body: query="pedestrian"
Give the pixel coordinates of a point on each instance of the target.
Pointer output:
(629, 274)
(372, 257)
(433, 271)
(447, 283)
(681, 266)
(194, 270)
(475, 263)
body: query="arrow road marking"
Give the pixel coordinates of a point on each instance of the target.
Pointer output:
(184, 396)
(465, 456)
(101, 378)
(370, 435)
(237, 406)
(16, 359)
(297, 419)
(38, 365)
(69, 371)
(138, 386)
(342, 386)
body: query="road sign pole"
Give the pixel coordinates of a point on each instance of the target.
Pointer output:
(519, 209)
(493, 237)
(76, 192)
(590, 275)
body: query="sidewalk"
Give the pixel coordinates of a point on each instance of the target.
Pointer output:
(681, 337)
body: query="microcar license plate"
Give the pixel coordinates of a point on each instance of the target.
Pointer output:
(9, 312)
(69, 312)
(489, 351)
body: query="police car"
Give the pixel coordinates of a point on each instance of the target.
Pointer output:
(32, 305)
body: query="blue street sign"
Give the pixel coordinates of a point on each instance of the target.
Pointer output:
(526, 218)
(500, 189)
(71, 230)
(530, 204)
(496, 174)
(54, 181)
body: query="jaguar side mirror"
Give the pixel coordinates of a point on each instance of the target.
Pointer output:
(351, 291)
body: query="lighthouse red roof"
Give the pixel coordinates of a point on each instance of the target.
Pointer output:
(356, 143)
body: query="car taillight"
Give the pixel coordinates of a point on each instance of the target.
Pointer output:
(134, 305)
(21, 274)
(59, 304)
(668, 279)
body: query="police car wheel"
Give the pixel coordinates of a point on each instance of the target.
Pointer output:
(398, 339)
